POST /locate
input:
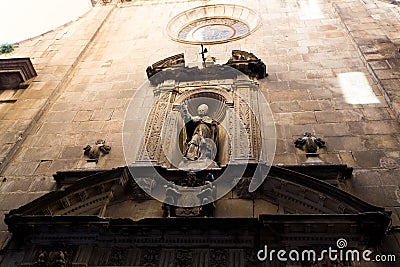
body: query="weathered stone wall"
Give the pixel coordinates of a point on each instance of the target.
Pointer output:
(28, 154)
(89, 70)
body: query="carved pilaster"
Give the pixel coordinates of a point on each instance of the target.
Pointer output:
(151, 148)
(247, 131)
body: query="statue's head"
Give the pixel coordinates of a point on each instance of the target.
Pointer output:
(202, 110)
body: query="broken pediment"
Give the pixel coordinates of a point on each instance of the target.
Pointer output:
(248, 63)
(16, 73)
(172, 61)
(293, 192)
(286, 197)
(106, 218)
(173, 68)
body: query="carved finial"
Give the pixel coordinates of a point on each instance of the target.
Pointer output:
(309, 143)
(95, 151)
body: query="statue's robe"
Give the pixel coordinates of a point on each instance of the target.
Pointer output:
(202, 138)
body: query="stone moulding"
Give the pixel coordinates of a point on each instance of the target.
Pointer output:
(16, 73)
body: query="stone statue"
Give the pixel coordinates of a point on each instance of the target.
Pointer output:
(202, 134)
(99, 147)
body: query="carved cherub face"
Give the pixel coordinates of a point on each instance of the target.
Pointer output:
(202, 110)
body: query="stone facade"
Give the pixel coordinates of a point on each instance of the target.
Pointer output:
(88, 71)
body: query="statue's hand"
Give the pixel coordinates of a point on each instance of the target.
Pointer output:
(196, 118)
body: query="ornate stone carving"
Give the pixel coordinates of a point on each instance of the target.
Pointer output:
(151, 147)
(193, 74)
(99, 147)
(247, 63)
(184, 258)
(172, 195)
(187, 212)
(219, 258)
(52, 258)
(186, 196)
(165, 63)
(150, 257)
(207, 195)
(309, 143)
(247, 144)
(236, 133)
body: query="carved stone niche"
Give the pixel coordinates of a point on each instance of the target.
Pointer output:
(16, 73)
(168, 136)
